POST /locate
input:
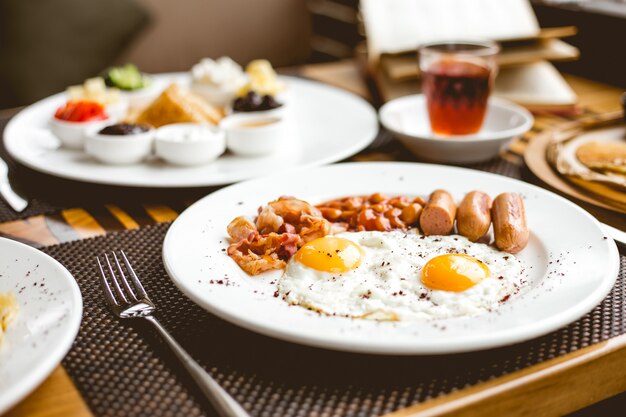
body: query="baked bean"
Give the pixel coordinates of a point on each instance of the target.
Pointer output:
(331, 213)
(400, 202)
(377, 198)
(382, 224)
(379, 208)
(373, 212)
(353, 203)
(411, 213)
(366, 218)
(393, 215)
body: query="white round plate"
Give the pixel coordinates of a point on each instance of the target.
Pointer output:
(407, 118)
(50, 309)
(571, 263)
(328, 125)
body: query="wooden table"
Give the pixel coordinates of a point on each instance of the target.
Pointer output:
(555, 387)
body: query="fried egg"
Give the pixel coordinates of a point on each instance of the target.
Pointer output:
(399, 275)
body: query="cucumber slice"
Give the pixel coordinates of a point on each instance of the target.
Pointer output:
(127, 77)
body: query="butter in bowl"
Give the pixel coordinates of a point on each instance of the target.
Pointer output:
(254, 134)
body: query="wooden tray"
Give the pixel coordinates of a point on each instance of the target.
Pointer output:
(535, 158)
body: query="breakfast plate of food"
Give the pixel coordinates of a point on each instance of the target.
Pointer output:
(40, 312)
(217, 124)
(391, 258)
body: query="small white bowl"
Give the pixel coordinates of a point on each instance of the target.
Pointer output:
(407, 118)
(254, 134)
(72, 134)
(145, 96)
(285, 98)
(119, 149)
(189, 143)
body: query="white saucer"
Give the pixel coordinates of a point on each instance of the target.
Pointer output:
(407, 118)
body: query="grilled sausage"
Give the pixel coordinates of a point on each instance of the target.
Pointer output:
(473, 217)
(438, 216)
(509, 222)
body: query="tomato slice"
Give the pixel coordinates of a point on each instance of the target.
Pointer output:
(81, 111)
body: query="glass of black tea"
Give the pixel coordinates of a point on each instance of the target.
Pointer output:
(457, 78)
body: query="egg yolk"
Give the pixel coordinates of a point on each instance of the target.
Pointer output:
(330, 254)
(453, 272)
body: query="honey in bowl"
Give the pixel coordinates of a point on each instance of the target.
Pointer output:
(456, 96)
(257, 123)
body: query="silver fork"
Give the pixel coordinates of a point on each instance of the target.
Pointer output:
(128, 301)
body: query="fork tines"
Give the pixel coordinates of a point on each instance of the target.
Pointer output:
(124, 293)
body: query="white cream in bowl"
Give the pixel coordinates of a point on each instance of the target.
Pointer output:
(189, 143)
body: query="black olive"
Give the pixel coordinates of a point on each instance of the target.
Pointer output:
(269, 102)
(239, 104)
(124, 129)
(254, 102)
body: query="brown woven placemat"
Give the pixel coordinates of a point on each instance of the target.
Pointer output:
(122, 368)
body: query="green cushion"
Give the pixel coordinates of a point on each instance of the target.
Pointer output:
(46, 45)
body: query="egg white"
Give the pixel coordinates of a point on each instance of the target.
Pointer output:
(387, 284)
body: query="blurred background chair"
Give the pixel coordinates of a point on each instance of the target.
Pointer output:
(46, 45)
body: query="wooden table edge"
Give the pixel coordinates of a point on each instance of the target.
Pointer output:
(55, 396)
(566, 383)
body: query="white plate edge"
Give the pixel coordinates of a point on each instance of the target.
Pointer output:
(24, 387)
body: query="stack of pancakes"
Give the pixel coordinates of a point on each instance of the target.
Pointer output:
(595, 162)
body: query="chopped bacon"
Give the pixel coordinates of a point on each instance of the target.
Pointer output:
(312, 227)
(259, 253)
(291, 209)
(279, 230)
(254, 264)
(287, 228)
(268, 221)
(240, 228)
(289, 244)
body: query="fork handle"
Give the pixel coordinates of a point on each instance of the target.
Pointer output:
(223, 403)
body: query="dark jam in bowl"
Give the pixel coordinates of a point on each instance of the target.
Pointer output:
(456, 96)
(254, 102)
(122, 129)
